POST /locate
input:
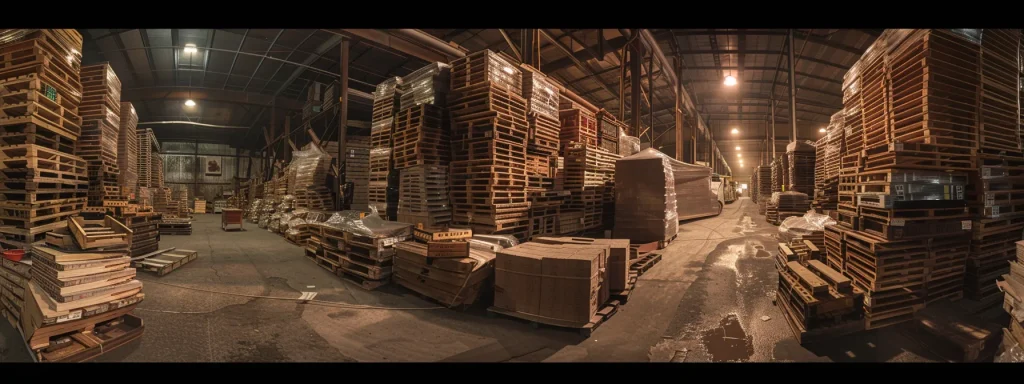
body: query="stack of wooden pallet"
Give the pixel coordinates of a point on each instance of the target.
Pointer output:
(790, 204)
(588, 171)
(1000, 109)
(489, 136)
(175, 226)
(800, 160)
(144, 231)
(423, 195)
(764, 185)
(441, 265)
(385, 105)
(998, 220)
(128, 151)
(101, 122)
(425, 86)
(421, 136)
(609, 128)
(357, 170)
(820, 147)
(82, 292)
(542, 114)
(818, 301)
(1013, 302)
(43, 183)
(579, 126)
(14, 281)
(307, 178)
(148, 154)
(368, 254)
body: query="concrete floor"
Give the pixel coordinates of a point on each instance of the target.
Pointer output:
(705, 301)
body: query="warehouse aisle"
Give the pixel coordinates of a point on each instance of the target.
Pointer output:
(703, 302)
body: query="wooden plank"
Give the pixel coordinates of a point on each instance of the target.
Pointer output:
(832, 275)
(808, 279)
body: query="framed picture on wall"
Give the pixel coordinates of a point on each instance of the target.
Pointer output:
(212, 165)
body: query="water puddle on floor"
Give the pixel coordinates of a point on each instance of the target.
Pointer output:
(728, 342)
(761, 253)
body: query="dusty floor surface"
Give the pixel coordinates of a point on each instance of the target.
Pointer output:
(705, 301)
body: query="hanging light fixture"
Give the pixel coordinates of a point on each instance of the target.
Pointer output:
(730, 81)
(190, 103)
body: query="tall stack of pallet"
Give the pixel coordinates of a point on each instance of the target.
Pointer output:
(608, 130)
(82, 292)
(101, 121)
(800, 157)
(834, 135)
(42, 181)
(764, 187)
(993, 193)
(156, 171)
(588, 169)
(385, 104)
(128, 151)
(901, 234)
(14, 282)
(307, 178)
(422, 148)
(542, 145)
(357, 170)
(820, 147)
(148, 146)
(489, 137)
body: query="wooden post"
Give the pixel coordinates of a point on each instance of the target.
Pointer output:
(342, 122)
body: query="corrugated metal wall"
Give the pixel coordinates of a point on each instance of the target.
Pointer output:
(181, 170)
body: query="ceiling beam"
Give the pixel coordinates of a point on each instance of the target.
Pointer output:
(582, 55)
(393, 44)
(195, 93)
(837, 81)
(759, 52)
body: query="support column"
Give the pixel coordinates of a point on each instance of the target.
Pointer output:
(792, 88)
(531, 47)
(773, 131)
(636, 57)
(680, 143)
(342, 122)
(650, 101)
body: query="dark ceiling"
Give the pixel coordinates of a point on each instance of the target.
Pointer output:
(236, 74)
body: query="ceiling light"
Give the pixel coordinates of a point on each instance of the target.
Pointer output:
(737, 147)
(190, 48)
(821, 130)
(190, 103)
(730, 81)
(739, 155)
(735, 131)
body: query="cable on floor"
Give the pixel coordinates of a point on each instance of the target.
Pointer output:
(318, 302)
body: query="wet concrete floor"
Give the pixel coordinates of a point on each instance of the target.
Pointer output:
(709, 299)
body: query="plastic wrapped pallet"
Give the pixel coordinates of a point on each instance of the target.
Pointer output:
(628, 145)
(694, 197)
(645, 205)
(486, 66)
(540, 94)
(427, 85)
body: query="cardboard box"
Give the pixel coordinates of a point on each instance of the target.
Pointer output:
(618, 257)
(556, 284)
(427, 235)
(447, 249)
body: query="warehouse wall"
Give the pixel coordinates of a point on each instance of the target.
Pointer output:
(183, 168)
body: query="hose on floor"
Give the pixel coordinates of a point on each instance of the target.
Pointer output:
(316, 302)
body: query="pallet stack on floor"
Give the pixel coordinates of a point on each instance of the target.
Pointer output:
(834, 136)
(489, 138)
(422, 148)
(1012, 287)
(817, 301)
(902, 205)
(82, 292)
(444, 267)
(144, 232)
(385, 104)
(43, 182)
(800, 159)
(307, 178)
(357, 170)
(364, 252)
(128, 152)
(820, 147)
(101, 123)
(588, 173)
(764, 187)
(542, 145)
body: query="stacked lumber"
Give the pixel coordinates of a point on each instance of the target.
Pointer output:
(441, 265)
(489, 136)
(128, 151)
(423, 195)
(385, 105)
(82, 292)
(800, 168)
(41, 181)
(357, 170)
(1012, 287)
(101, 123)
(573, 274)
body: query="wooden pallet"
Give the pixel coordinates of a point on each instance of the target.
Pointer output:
(164, 261)
(606, 311)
